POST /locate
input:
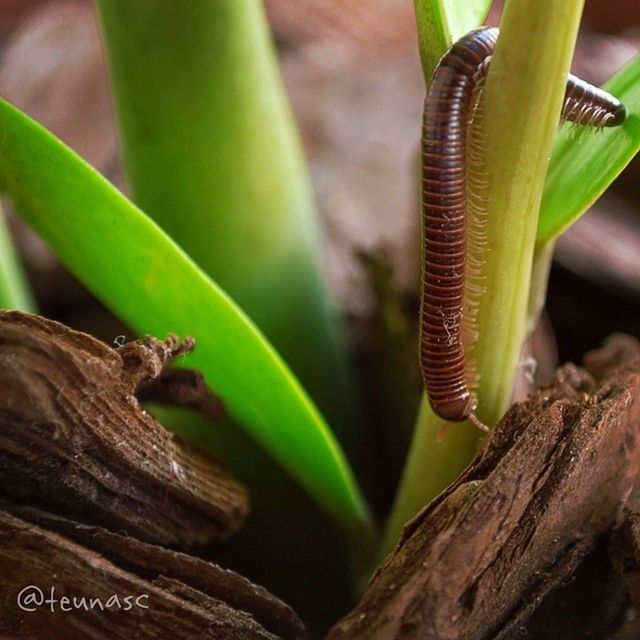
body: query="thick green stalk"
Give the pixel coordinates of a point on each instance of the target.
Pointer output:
(14, 290)
(436, 457)
(524, 96)
(212, 154)
(522, 102)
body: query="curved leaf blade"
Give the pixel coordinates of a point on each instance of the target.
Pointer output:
(15, 292)
(442, 22)
(144, 277)
(463, 16)
(584, 163)
(191, 83)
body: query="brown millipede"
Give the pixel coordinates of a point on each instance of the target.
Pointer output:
(449, 107)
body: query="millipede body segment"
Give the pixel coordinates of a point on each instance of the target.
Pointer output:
(449, 107)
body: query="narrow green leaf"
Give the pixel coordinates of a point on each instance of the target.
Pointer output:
(442, 22)
(465, 15)
(212, 154)
(584, 163)
(144, 277)
(14, 289)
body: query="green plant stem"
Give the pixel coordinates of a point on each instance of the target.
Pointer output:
(436, 455)
(434, 34)
(212, 154)
(441, 22)
(522, 102)
(14, 290)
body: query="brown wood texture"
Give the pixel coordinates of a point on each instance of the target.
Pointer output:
(184, 388)
(74, 439)
(89, 479)
(32, 556)
(186, 595)
(555, 474)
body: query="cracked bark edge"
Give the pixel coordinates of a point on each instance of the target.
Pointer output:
(32, 556)
(184, 388)
(159, 565)
(556, 472)
(74, 439)
(625, 553)
(151, 561)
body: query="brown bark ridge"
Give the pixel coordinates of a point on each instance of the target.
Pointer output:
(74, 439)
(555, 474)
(90, 480)
(182, 596)
(185, 388)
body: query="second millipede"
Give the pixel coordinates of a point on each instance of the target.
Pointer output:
(448, 109)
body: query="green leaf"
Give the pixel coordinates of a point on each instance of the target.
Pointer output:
(463, 15)
(14, 289)
(442, 22)
(144, 277)
(584, 162)
(212, 154)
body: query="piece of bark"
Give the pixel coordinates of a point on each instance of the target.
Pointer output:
(153, 561)
(619, 352)
(625, 553)
(185, 388)
(555, 473)
(159, 565)
(74, 439)
(37, 561)
(592, 605)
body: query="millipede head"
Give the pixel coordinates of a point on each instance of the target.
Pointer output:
(618, 114)
(456, 408)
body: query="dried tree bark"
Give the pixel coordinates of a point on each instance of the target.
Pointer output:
(89, 479)
(74, 439)
(182, 387)
(555, 474)
(186, 597)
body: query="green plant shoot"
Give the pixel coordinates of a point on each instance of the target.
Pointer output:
(143, 276)
(522, 102)
(212, 155)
